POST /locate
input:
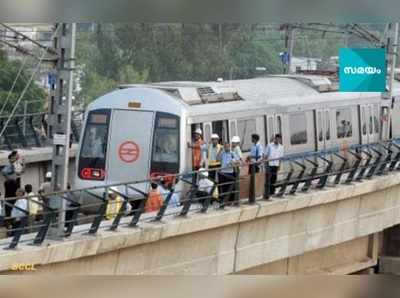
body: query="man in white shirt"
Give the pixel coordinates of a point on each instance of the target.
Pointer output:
(20, 210)
(274, 152)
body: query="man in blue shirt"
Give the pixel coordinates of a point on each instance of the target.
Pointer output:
(256, 153)
(227, 175)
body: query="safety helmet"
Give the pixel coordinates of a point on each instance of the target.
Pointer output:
(198, 131)
(214, 136)
(48, 175)
(203, 172)
(235, 139)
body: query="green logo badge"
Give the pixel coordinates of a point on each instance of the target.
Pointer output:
(362, 70)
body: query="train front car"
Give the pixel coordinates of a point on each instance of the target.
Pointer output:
(130, 135)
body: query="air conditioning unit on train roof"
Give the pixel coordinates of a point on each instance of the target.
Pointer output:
(320, 83)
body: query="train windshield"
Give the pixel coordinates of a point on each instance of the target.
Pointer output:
(165, 153)
(92, 158)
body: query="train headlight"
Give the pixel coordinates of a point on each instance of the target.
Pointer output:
(92, 174)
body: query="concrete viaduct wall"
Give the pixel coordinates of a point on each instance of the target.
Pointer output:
(335, 230)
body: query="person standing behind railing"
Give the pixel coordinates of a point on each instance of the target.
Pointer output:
(213, 150)
(235, 143)
(114, 205)
(227, 174)
(274, 152)
(154, 201)
(15, 167)
(256, 153)
(205, 187)
(165, 189)
(198, 148)
(17, 213)
(34, 206)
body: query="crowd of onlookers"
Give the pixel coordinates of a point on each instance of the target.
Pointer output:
(219, 165)
(15, 205)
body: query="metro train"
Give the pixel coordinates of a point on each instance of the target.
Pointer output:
(142, 130)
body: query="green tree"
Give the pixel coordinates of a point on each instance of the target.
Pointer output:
(8, 73)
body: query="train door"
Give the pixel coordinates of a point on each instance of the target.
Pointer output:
(274, 126)
(323, 129)
(218, 127)
(369, 125)
(221, 129)
(130, 146)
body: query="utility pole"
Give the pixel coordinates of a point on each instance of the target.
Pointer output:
(60, 112)
(220, 39)
(289, 44)
(391, 52)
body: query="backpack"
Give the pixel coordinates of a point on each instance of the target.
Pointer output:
(8, 170)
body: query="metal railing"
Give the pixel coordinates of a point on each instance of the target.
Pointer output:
(30, 130)
(245, 184)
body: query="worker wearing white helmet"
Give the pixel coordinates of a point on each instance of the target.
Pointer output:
(205, 187)
(45, 187)
(213, 150)
(235, 143)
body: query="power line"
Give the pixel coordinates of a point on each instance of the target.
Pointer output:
(26, 87)
(25, 37)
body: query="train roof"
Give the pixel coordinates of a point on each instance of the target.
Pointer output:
(279, 89)
(278, 93)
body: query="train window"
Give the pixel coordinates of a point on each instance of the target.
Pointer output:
(165, 155)
(95, 141)
(327, 126)
(270, 128)
(92, 157)
(319, 125)
(232, 128)
(344, 126)
(207, 132)
(96, 133)
(371, 121)
(363, 122)
(279, 125)
(246, 127)
(376, 121)
(298, 128)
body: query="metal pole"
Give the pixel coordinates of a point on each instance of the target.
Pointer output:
(290, 45)
(60, 112)
(392, 51)
(25, 112)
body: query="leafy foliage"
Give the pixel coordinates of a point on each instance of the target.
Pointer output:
(8, 73)
(135, 53)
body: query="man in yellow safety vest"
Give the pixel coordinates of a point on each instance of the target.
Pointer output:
(213, 150)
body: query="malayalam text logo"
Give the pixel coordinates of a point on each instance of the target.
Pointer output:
(362, 70)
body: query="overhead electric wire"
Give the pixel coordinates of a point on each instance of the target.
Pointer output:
(25, 37)
(27, 85)
(13, 85)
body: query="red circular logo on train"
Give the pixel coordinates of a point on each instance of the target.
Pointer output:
(128, 151)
